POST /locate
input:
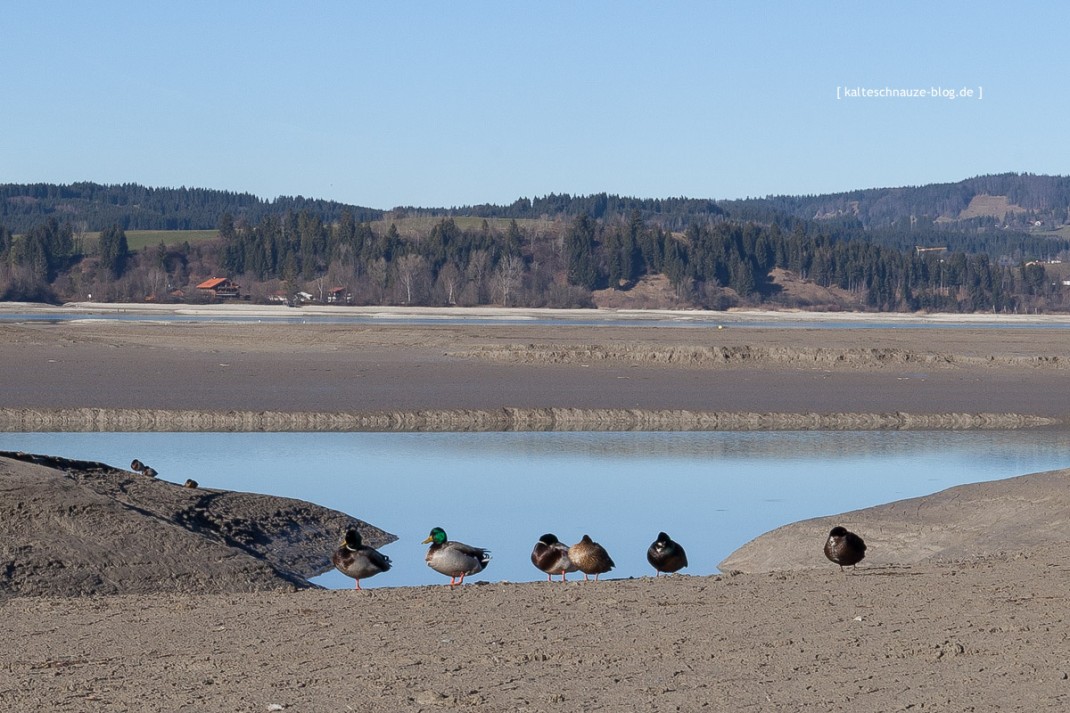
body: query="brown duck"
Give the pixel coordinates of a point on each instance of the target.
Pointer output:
(590, 558)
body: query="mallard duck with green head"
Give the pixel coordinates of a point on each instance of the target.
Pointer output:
(551, 556)
(666, 555)
(355, 559)
(454, 559)
(590, 558)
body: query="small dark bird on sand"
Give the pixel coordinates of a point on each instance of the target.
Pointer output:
(665, 555)
(354, 559)
(551, 556)
(590, 558)
(190, 483)
(139, 467)
(845, 548)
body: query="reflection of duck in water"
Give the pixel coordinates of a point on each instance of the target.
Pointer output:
(354, 559)
(590, 558)
(551, 556)
(845, 548)
(666, 555)
(454, 559)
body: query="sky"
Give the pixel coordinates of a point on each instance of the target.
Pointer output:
(446, 104)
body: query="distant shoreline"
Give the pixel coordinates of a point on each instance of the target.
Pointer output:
(654, 316)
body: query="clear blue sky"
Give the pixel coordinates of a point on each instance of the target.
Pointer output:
(446, 104)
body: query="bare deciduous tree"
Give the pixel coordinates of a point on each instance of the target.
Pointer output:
(410, 269)
(450, 280)
(508, 276)
(478, 264)
(378, 274)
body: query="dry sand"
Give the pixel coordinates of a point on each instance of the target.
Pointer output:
(981, 630)
(988, 635)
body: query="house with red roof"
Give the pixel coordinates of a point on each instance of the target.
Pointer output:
(220, 288)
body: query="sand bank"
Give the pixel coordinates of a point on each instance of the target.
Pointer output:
(510, 375)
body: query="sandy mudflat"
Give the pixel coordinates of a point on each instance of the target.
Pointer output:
(982, 629)
(593, 370)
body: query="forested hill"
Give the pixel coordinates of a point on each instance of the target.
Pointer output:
(1014, 200)
(95, 207)
(1010, 200)
(59, 243)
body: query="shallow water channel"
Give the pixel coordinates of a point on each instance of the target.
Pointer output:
(711, 491)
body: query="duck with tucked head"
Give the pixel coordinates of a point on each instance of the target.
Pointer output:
(844, 547)
(355, 559)
(551, 556)
(590, 558)
(666, 555)
(454, 559)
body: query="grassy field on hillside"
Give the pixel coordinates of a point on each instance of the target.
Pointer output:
(140, 239)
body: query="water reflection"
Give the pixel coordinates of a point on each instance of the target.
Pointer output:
(710, 491)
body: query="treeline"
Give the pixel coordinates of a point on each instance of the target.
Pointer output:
(447, 265)
(669, 213)
(728, 264)
(715, 265)
(1042, 198)
(32, 265)
(893, 217)
(92, 207)
(1003, 245)
(741, 258)
(715, 254)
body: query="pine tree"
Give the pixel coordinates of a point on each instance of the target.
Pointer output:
(580, 251)
(113, 251)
